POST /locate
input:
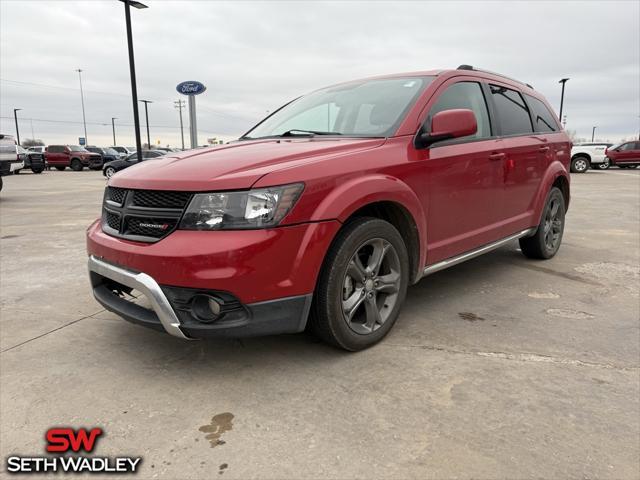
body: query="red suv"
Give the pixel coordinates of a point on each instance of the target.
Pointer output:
(624, 155)
(326, 211)
(74, 156)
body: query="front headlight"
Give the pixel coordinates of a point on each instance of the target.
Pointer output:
(259, 208)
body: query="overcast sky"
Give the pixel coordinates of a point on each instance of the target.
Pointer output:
(254, 56)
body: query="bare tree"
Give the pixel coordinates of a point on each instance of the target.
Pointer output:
(32, 142)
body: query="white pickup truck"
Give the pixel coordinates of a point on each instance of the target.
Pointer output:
(589, 155)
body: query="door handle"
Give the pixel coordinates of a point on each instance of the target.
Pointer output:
(544, 149)
(497, 156)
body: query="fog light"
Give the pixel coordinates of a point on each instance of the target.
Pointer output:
(205, 308)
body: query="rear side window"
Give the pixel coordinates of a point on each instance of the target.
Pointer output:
(543, 119)
(512, 112)
(56, 149)
(465, 95)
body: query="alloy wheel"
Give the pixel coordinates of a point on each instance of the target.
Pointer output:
(552, 224)
(370, 286)
(109, 172)
(580, 165)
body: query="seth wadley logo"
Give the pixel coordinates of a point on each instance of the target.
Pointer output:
(67, 440)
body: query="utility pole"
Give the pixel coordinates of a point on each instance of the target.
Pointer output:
(593, 132)
(15, 116)
(146, 114)
(562, 81)
(84, 120)
(180, 104)
(113, 128)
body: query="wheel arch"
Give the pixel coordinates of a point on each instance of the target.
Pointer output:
(382, 197)
(555, 176)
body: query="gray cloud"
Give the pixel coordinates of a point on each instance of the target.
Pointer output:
(254, 56)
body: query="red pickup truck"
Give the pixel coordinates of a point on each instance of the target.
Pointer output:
(74, 156)
(325, 212)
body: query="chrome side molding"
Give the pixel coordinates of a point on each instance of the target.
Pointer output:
(450, 262)
(148, 286)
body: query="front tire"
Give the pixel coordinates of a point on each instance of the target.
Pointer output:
(579, 164)
(362, 285)
(545, 243)
(109, 172)
(37, 170)
(604, 165)
(76, 165)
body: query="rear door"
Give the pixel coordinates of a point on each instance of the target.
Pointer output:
(54, 155)
(464, 190)
(527, 156)
(629, 153)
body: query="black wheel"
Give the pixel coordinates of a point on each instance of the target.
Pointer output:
(362, 285)
(109, 172)
(60, 167)
(579, 164)
(546, 241)
(76, 165)
(604, 165)
(37, 170)
(1, 182)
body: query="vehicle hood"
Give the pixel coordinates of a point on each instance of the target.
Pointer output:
(235, 166)
(115, 164)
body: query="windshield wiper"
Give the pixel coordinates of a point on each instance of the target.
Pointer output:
(297, 131)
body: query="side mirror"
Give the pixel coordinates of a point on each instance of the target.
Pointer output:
(449, 124)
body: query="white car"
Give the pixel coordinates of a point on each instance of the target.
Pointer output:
(124, 152)
(37, 149)
(589, 155)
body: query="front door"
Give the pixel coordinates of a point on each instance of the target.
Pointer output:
(465, 185)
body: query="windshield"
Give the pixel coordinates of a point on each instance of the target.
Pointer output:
(76, 148)
(369, 108)
(110, 151)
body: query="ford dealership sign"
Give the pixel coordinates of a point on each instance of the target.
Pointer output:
(190, 88)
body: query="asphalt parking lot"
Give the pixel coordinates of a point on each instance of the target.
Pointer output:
(499, 367)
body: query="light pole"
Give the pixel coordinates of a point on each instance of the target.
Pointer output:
(84, 121)
(562, 81)
(146, 115)
(132, 70)
(113, 128)
(593, 133)
(15, 116)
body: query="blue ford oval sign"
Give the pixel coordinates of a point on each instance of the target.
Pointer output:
(190, 88)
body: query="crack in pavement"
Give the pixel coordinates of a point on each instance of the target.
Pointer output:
(51, 331)
(520, 357)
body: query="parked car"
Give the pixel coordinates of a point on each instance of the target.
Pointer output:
(74, 156)
(9, 160)
(38, 149)
(32, 160)
(322, 214)
(109, 169)
(589, 155)
(106, 155)
(625, 155)
(124, 151)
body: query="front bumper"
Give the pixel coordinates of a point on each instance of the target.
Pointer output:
(17, 166)
(286, 315)
(271, 274)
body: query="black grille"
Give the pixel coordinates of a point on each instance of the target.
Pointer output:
(142, 215)
(116, 194)
(160, 199)
(112, 219)
(149, 227)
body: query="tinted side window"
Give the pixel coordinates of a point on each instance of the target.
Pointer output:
(465, 95)
(512, 112)
(543, 119)
(56, 149)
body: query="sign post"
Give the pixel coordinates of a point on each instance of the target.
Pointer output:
(191, 89)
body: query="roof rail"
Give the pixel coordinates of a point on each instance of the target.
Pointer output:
(471, 67)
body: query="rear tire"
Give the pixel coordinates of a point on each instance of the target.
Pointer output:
(361, 286)
(604, 165)
(579, 164)
(37, 170)
(76, 165)
(59, 168)
(545, 243)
